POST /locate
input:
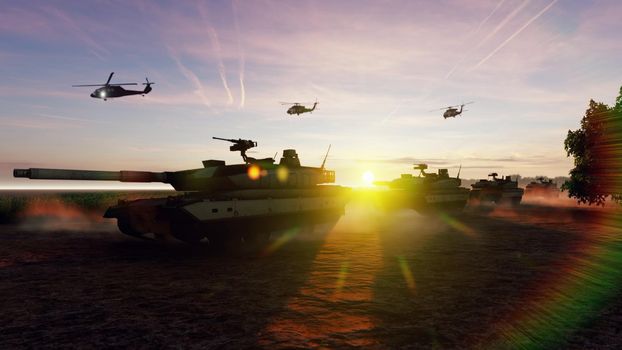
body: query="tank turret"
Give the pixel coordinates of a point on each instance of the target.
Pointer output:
(258, 194)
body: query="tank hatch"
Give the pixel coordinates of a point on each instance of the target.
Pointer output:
(290, 159)
(212, 163)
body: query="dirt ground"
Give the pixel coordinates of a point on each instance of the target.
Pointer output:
(531, 277)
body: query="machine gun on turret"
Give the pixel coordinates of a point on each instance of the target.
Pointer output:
(422, 168)
(240, 145)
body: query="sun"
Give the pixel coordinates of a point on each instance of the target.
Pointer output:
(368, 178)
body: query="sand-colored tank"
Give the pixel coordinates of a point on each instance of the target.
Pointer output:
(223, 203)
(497, 191)
(427, 192)
(542, 187)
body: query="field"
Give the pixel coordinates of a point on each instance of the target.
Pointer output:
(535, 276)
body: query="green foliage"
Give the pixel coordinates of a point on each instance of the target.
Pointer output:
(597, 151)
(10, 207)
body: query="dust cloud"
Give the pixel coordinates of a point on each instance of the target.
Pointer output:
(51, 214)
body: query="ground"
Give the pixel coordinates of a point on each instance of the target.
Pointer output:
(530, 277)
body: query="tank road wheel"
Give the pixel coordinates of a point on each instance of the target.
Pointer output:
(187, 232)
(126, 227)
(225, 240)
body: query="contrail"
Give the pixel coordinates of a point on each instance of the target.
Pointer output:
(240, 54)
(488, 17)
(242, 89)
(504, 22)
(199, 90)
(490, 35)
(216, 45)
(221, 65)
(515, 34)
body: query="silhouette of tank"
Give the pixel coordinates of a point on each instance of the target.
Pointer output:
(498, 191)
(426, 192)
(542, 187)
(237, 203)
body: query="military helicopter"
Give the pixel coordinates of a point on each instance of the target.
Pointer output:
(452, 111)
(297, 108)
(108, 90)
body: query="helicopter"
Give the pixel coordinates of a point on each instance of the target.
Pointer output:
(297, 108)
(452, 111)
(108, 90)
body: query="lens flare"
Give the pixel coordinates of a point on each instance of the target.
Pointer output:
(457, 225)
(408, 275)
(571, 295)
(341, 279)
(279, 242)
(254, 172)
(282, 174)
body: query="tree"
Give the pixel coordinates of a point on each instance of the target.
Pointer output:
(597, 151)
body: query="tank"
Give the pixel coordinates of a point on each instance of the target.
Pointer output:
(542, 187)
(497, 191)
(426, 192)
(222, 203)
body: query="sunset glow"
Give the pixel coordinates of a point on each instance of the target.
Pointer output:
(368, 178)
(378, 69)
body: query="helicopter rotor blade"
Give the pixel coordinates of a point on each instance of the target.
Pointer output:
(148, 82)
(110, 77)
(88, 85)
(122, 84)
(467, 103)
(440, 109)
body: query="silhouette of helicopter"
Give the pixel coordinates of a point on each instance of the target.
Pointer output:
(452, 111)
(108, 90)
(297, 108)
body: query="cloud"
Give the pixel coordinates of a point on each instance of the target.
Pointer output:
(533, 159)
(38, 122)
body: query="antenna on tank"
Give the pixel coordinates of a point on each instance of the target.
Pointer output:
(325, 157)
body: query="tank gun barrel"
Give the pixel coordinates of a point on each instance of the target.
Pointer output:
(91, 175)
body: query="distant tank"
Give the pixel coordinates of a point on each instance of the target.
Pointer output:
(237, 203)
(498, 191)
(426, 192)
(542, 187)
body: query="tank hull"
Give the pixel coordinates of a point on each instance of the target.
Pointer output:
(449, 200)
(512, 196)
(229, 216)
(541, 191)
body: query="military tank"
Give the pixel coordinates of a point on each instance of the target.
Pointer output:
(427, 192)
(223, 203)
(497, 191)
(542, 187)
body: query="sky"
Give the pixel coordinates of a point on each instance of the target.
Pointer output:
(377, 68)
